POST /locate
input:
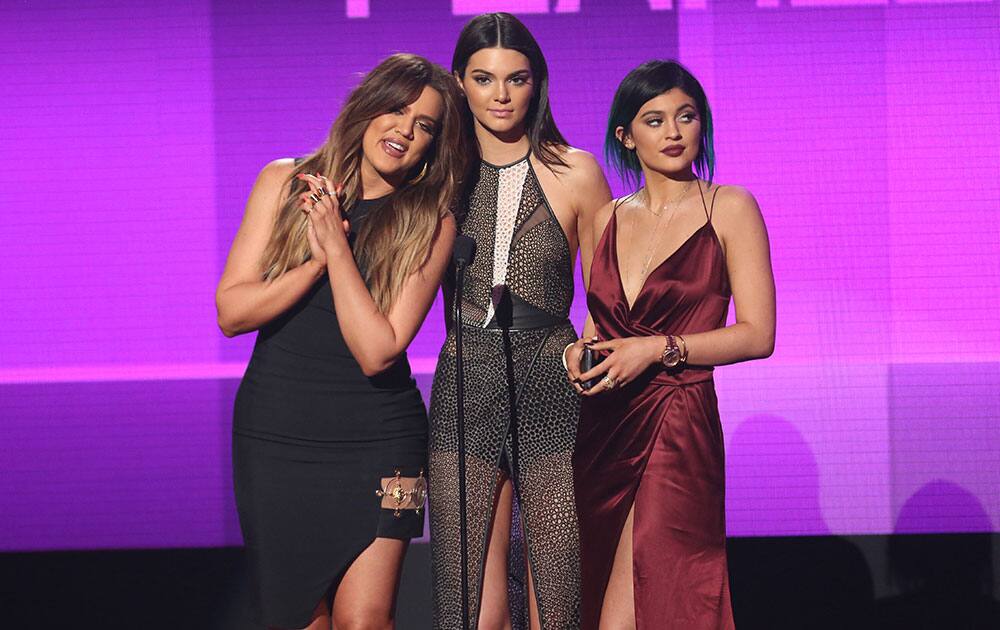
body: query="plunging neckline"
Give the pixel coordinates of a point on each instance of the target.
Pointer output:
(614, 255)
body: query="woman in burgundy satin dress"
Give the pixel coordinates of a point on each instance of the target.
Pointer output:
(649, 465)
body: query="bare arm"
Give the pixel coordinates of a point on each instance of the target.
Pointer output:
(592, 200)
(598, 222)
(243, 300)
(375, 339)
(740, 226)
(741, 229)
(593, 205)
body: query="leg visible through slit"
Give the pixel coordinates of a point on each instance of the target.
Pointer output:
(618, 611)
(495, 609)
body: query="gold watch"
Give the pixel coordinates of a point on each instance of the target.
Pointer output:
(671, 356)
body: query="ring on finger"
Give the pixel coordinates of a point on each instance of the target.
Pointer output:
(609, 383)
(313, 197)
(323, 192)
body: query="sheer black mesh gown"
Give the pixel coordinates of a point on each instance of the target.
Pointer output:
(312, 439)
(520, 246)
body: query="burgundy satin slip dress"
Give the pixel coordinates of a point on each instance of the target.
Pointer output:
(657, 443)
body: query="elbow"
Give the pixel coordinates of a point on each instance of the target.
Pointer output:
(228, 331)
(373, 366)
(373, 369)
(228, 326)
(223, 317)
(766, 351)
(765, 347)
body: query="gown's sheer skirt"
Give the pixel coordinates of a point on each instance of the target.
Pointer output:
(521, 245)
(546, 433)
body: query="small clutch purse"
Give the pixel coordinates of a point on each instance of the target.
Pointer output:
(588, 360)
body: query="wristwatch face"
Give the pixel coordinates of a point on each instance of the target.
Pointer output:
(671, 357)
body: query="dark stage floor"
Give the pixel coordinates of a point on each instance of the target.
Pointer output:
(893, 582)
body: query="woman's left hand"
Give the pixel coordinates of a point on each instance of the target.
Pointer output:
(626, 359)
(328, 226)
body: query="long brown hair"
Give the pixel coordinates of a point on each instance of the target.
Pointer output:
(503, 30)
(396, 237)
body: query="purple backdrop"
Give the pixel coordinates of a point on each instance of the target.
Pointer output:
(869, 131)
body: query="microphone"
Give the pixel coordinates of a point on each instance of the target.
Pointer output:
(463, 251)
(503, 306)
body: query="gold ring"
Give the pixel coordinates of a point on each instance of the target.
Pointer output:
(609, 382)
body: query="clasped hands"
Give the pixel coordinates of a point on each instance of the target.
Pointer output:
(327, 228)
(625, 360)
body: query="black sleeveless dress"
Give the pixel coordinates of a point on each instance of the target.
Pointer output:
(312, 439)
(515, 308)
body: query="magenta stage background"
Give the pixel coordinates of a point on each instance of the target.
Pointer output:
(130, 134)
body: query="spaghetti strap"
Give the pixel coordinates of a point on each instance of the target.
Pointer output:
(711, 209)
(620, 201)
(708, 215)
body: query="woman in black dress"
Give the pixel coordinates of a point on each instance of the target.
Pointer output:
(526, 205)
(336, 264)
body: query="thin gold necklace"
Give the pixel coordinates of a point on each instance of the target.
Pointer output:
(675, 204)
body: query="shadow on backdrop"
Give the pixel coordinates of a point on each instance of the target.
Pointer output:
(805, 578)
(944, 581)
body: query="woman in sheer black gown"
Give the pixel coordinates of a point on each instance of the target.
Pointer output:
(529, 194)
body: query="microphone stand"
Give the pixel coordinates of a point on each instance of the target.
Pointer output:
(504, 310)
(460, 265)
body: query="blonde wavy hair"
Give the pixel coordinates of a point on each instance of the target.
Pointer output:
(396, 237)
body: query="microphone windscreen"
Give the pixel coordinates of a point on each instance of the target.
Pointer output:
(503, 306)
(463, 251)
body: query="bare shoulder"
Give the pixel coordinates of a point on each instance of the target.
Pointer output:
(276, 172)
(736, 215)
(733, 199)
(733, 205)
(583, 180)
(269, 191)
(583, 166)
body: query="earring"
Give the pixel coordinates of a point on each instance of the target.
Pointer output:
(420, 175)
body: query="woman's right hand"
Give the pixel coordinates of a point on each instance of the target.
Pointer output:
(320, 186)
